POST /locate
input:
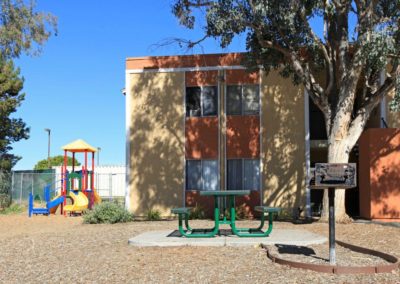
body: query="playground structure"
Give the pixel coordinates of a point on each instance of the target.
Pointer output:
(76, 185)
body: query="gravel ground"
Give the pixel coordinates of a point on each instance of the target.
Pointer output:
(56, 249)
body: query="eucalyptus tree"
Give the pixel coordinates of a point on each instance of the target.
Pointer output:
(22, 30)
(358, 52)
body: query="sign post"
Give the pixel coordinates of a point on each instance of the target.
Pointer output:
(332, 177)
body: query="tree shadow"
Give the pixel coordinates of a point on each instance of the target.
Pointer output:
(380, 164)
(157, 138)
(283, 135)
(157, 141)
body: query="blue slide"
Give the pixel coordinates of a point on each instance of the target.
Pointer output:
(51, 205)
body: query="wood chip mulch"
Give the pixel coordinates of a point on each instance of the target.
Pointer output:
(56, 249)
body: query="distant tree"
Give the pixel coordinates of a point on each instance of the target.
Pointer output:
(359, 52)
(22, 30)
(54, 162)
(11, 129)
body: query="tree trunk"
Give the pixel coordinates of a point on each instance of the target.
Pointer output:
(338, 152)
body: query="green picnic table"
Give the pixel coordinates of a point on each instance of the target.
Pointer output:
(229, 195)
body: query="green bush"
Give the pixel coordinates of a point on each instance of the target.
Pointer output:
(107, 212)
(5, 201)
(13, 209)
(153, 215)
(197, 213)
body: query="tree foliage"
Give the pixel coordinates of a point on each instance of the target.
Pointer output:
(279, 36)
(11, 129)
(54, 162)
(358, 52)
(22, 30)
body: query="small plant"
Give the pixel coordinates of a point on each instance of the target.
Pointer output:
(243, 212)
(197, 213)
(285, 215)
(5, 200)
(153, 215)
(107, 212)
(12, 209)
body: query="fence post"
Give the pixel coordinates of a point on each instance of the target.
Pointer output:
(12, 186)
(20, 192)
(110, 186)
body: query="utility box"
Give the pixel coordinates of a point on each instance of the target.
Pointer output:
(379, 174)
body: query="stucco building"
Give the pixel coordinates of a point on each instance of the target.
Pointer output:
(201, 122)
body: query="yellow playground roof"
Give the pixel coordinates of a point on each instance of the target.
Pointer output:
(79, 146)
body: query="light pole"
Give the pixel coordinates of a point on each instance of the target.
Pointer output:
(48, 146)
(98, 155)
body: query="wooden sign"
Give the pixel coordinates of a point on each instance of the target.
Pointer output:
(340, 176)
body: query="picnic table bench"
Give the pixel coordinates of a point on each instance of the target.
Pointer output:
(184, 213)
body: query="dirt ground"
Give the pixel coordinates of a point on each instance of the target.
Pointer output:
(56, 249)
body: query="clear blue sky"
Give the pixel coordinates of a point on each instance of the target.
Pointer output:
(74, 86)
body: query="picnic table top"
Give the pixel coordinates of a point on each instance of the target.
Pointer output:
(224, 192)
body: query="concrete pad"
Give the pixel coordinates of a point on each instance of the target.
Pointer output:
(278, 236)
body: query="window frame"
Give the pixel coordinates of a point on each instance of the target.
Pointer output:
(202, 172)
(243, 173)
(202, 101)
(242, 99)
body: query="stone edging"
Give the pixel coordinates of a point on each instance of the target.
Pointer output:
(394, 262)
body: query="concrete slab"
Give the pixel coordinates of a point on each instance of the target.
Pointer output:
(278, 236)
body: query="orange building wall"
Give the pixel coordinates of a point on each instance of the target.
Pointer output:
(201, 78)
(379, 173)
(243, 136)
(201, 138)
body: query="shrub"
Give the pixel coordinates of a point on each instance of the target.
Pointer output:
(153, 215)
(197, 213)
(5, 200)
(12, 209)
(107, 212)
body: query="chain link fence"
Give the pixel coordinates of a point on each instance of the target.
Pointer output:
(21, 183)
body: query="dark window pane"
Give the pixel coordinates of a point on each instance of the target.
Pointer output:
(210, 101)
(193, 175)
(233, 100)
(234, 176)
(251, 174)
(193, 106)
(210, 175)
(317, 122)
(251, 99)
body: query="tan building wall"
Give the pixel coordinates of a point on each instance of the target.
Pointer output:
(283, 142)
(156, 142)
(157, 139)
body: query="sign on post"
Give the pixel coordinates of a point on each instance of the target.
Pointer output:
(341, 176)
(334, 176)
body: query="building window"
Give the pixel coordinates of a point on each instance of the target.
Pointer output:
(202, 101)
(243, 174)
(243, 100)
(201, 174)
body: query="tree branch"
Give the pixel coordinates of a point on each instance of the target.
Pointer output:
(324, 51)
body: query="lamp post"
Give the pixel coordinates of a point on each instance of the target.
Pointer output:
(98, 155)
(48, 146)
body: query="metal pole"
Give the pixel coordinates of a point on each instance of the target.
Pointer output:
(332, 249)
(48, 147)
(98, 155)
(12, 186)
(20, 193)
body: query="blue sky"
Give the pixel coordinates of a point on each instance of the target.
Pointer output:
(74, 86)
